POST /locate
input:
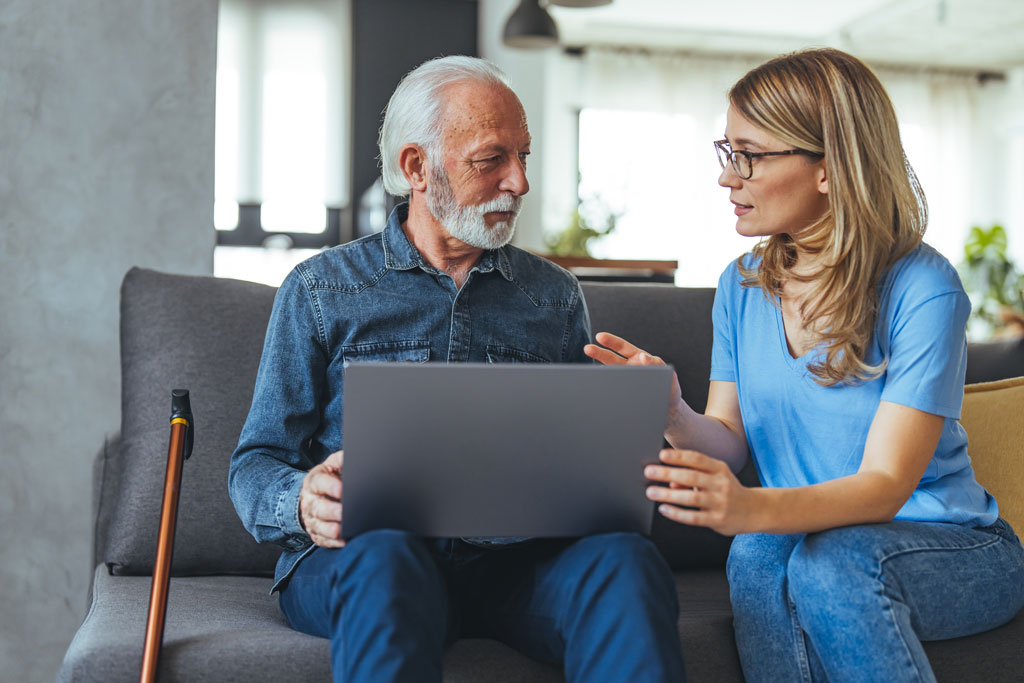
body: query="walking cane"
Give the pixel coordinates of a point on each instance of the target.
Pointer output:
(180, 448)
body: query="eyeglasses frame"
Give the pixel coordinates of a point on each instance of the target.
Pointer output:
(730, 153)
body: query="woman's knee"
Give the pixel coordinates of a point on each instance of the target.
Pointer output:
(829, 566)
(759, 559)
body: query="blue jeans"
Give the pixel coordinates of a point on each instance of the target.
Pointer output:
(604, 607)
(854, 603)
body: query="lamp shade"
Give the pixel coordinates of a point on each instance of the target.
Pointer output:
(530, 26)
(580, 3)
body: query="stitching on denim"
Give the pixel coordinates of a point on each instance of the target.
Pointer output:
(799, 643)
(314, 302)
(567, 332)
(539, 303)
(353, 288)
(930, 548)
(895, 623)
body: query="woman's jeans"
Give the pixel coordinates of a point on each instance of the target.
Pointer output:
(603, 606)
(854, 603)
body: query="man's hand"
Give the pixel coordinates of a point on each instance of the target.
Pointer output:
(320, 502)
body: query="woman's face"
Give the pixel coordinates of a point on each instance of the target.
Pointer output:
(784, 195)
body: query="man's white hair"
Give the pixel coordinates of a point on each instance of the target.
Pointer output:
(413, 114)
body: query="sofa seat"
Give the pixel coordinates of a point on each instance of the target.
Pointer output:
(208, 616)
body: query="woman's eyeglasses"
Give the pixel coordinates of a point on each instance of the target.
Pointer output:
(743, 161)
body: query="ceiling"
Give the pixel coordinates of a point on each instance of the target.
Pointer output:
(974, 34)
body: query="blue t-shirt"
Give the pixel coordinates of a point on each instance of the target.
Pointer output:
(802, 433)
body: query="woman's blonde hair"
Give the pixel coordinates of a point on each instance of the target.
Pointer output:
(829, 103)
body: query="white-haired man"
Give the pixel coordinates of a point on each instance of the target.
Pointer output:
(441, 284)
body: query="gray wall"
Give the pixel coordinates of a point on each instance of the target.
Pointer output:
(106, 161)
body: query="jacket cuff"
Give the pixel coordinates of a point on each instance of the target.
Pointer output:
(287, 513)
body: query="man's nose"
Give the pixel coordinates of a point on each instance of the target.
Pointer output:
(514, 179)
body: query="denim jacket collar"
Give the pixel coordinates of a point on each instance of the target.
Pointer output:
(400, 254)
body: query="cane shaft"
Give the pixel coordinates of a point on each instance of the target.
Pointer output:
(164, 552)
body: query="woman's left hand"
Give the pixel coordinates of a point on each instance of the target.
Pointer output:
(702, 491)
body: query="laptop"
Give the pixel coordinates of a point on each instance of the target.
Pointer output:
(478, 450)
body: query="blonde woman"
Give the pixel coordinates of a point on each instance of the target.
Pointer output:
(838, 366)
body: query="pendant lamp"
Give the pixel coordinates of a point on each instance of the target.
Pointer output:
(530, 26)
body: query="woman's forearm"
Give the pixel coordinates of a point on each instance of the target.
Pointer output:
(689, 430)
(863, 498)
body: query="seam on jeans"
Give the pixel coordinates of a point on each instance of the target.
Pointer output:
(799, 642)
(896, 626)
(937, 548)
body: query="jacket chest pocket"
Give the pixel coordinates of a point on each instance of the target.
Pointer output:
(401, 351)
(499, 353)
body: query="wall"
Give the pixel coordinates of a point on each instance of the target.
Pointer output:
(106, 161)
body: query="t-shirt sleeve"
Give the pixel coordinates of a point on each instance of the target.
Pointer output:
(723, 362)
(928, 355)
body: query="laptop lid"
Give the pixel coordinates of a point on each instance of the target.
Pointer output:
(470, 449)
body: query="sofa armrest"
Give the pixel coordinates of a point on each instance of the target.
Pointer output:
(106, 467)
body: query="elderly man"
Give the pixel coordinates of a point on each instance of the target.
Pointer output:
(438, 284)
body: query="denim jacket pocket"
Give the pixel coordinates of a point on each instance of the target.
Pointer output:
(499, 353)
(392, 351)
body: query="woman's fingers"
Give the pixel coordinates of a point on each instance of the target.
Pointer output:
(603, 356)
(616, 344)
(680, 477)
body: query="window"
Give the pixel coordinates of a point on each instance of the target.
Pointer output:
(282, 125)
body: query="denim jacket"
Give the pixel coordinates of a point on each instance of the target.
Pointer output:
(377, 299)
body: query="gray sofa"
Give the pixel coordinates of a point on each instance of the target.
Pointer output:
(206, 334)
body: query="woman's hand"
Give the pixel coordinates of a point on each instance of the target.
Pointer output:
(621, 352)
(702, 491)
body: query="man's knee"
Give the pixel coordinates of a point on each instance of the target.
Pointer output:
(628, 560)
(385, 554)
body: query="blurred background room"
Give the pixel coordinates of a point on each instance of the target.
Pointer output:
(236, 138)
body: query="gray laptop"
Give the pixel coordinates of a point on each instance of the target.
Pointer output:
(466, 450)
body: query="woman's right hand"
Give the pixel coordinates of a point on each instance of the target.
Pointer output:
(615, 350)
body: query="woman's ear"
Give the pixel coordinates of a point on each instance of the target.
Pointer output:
(822, 178)
(413, 162)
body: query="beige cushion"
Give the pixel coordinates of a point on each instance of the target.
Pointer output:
(993, 416)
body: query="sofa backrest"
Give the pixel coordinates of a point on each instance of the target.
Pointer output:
(203, 334)
(206, 334)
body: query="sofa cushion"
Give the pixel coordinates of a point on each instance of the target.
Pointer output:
(993, 416)
(202, 334)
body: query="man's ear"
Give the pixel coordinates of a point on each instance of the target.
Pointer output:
(413, 162)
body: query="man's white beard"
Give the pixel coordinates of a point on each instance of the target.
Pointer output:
(467, 223)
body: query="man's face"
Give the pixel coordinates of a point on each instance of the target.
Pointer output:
(475, 188)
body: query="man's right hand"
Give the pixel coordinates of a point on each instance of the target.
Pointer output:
(320, 502)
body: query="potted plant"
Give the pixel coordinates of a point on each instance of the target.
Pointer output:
(994, 283)
(590, 220)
